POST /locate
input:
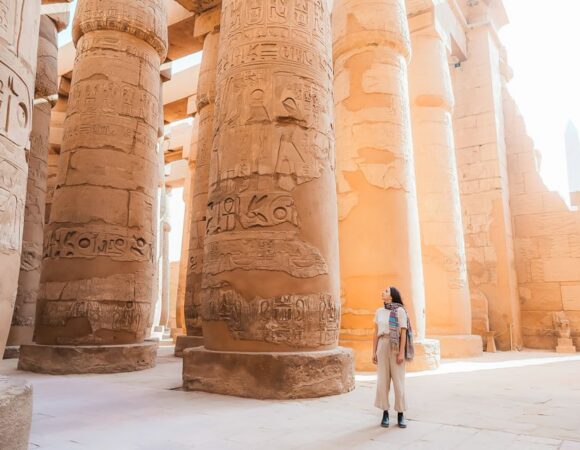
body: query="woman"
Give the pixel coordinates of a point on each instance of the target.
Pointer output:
(392, 346)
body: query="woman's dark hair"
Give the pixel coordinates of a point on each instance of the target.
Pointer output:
(396, 296)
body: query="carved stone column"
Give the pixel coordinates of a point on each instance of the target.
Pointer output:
(97, 275)
(45, 96)
(448, 305)
(19, 20)
(379, 224)
(270, 300)
(206, 88)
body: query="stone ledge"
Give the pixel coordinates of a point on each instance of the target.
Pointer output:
(185, 342)
(427, 356)
(68, 359)
(269, 375)
(15, 413)
(460, 346)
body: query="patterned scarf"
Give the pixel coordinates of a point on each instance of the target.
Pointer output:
(394, 330)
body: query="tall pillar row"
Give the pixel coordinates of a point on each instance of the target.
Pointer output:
(377, 199)
(198, 198)
(45, 93)
(270, 297)
(95, 299)
(448, 304)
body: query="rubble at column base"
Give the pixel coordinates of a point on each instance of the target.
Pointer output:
(68, 359)
(269, 375)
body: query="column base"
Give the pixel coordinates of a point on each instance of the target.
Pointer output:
(269, 375)
(183, 342)
(11, 352)
(68, 359)
(363, 354)
(460, 345)
(15, 413)
(427, 356)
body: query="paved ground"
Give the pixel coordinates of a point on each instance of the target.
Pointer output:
(527, 400)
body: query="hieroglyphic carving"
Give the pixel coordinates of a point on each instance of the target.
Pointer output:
(12, 180)
(278, 251)
(117, 316)
(297, 320)
(272, 174)
(113, 109)
(15, 106)
(249, 210)
(19, 25)
(85, 243)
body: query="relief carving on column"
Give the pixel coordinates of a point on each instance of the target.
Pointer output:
(271, 171)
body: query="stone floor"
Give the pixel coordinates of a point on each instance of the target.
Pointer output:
(527, 400)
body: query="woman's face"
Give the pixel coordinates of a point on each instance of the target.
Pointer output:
(387, 295)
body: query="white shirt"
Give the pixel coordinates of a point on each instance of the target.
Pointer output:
(382, 319)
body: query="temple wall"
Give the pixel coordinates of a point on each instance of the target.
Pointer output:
(482, 167)
(547, 242)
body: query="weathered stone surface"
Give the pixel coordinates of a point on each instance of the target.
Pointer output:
(98, 271)
(270, 277)
(184, 342)
(34, 214)
(481, 155)
(19, 21)
(269, 375)
(15, 414)
(68, 359)
(206, 95)
(447, 296)
(371, 46)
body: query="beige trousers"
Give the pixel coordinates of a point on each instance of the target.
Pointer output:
(388, 370)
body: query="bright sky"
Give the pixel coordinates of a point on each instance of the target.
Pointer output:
(541, 43)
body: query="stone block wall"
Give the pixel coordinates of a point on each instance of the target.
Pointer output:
(482, 170)
(547, 241)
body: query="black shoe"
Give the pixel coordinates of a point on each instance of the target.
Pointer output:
(402, 421)
(385, 421)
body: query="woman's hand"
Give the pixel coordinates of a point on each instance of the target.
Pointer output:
(400, 359)
(375, 360)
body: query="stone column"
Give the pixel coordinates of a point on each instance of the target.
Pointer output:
(270, 288)
(45, 93)
(206, 88)
(165, 229)
(98, 269)
(15, 413)
(19, 24)
(379, 224)
(448, 305)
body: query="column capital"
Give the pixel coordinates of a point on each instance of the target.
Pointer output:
(144, 19)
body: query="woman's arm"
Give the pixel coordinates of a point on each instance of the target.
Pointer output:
(402, 344)
(375, 341)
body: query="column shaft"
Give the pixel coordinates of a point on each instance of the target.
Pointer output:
(379, 225)
(448, 306)
(270, 287)
(199, 195)
(18, 48)
(98, 269)
(33, 234)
